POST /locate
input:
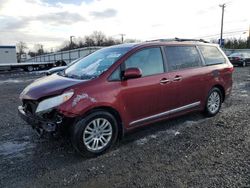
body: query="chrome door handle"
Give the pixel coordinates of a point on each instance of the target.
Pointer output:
(177, 78)
(164, 81)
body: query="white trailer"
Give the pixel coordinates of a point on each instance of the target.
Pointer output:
(48, 60)
(64, 57)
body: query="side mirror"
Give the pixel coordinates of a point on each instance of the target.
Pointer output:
(131, 73)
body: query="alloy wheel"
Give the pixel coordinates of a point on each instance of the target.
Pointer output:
(214, 101)
(97, 134)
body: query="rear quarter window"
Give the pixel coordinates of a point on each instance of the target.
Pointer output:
(212, 55)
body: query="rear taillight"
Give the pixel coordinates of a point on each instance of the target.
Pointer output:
(231, 69)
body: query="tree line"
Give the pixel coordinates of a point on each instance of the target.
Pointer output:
(234, 43)
(97, 38)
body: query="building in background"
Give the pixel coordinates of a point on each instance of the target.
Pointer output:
(8, 54)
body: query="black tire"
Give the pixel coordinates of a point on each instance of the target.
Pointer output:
(78, 129)
(29, 68)
(208, 109)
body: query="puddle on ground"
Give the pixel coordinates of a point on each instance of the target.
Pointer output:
(244, 95)
(142, 141)
(167, 134)
(243, 91)
(14, 81)
(14, 148)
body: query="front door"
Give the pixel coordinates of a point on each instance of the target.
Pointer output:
(142, 97)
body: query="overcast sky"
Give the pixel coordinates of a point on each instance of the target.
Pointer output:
(50, 22)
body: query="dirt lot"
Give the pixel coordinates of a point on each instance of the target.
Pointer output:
(191, 151)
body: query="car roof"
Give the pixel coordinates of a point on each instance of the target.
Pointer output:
(125, 45)
(164, 42)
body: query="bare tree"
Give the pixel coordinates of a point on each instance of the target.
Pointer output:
(98, 37)
(21, 47)
(111, 41)
(131, 40)
(89, 41)
(39, 49)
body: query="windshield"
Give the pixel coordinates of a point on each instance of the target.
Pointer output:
(94, 64)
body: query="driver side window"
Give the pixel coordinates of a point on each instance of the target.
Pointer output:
(148, 60)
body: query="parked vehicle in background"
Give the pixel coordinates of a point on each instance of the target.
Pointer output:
(42, 62)
(240, 59)
(61, 68)
(55, 70)
(119, 88)
(64, 57)
(8, 61)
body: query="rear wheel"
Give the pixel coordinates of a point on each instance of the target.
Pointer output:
(213, 103)
(94, 134)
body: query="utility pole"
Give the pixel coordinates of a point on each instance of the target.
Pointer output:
(248, 38)
(71, 41)
(222, 20)
(122, 37)
(249, 35)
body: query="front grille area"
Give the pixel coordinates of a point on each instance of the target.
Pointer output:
(30, 106)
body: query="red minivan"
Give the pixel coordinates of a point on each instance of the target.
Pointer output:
(119, 88)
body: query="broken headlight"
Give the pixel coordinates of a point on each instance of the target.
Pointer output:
(52, 102)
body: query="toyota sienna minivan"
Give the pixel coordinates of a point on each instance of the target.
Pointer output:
(122, 87)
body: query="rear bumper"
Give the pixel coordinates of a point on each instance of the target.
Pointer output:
(36, 123)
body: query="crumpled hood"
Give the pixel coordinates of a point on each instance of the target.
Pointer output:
(47, 86)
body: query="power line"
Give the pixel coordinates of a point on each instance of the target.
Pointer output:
(218, 34)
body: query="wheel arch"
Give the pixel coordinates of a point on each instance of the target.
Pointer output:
(222, 89)
(112, 111)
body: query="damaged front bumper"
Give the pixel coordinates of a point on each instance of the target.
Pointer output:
(39, 124)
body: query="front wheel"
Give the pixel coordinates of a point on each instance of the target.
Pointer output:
(244, 64)
(213, 103)
(94, 134)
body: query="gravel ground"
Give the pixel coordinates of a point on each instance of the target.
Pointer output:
(190, 151)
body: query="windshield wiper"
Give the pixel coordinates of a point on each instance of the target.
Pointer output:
(88, 77)
(82, 77)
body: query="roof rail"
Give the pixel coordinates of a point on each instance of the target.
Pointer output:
(161, 40)
(178, 40)
(196, 40)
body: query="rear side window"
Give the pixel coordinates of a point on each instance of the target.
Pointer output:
(148, 60)
(212, 55)
(182, 57)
